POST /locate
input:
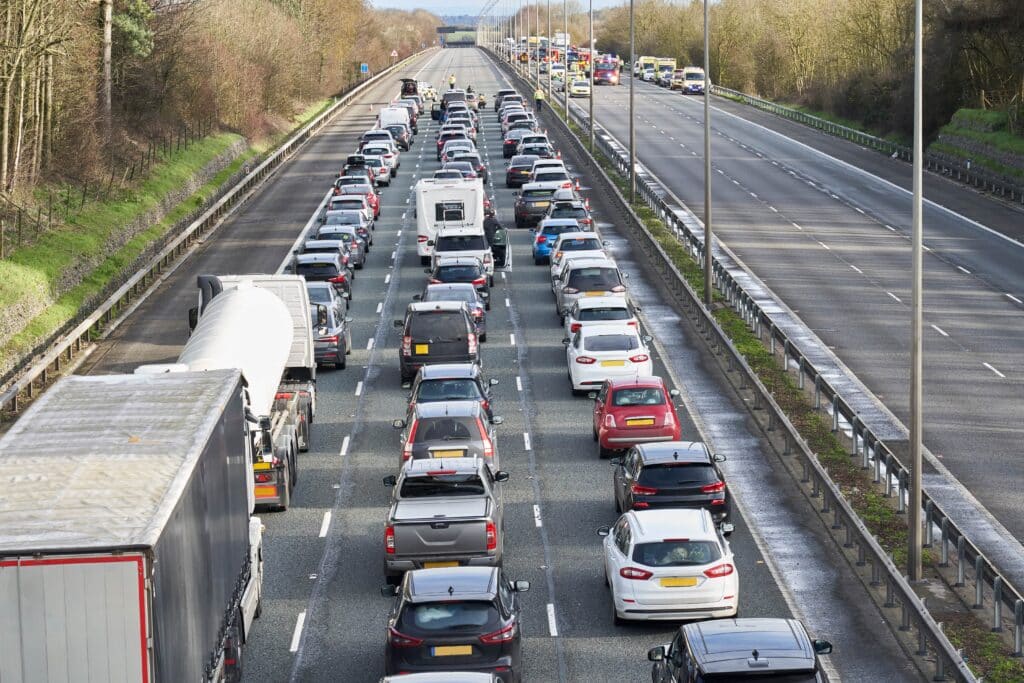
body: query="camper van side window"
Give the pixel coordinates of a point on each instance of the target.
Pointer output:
(449, 211)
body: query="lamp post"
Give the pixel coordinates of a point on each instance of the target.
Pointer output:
(916, 395)
(593, 61)
(632, 126)
(708, 238)
(565, 58)
(549, 51)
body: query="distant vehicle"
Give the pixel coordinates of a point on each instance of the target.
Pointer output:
(518, 169)
(446, 203)
(594, 310)
(468, 617)
(449, 429)
(669, 565)
(436, 332)
(724, 646)
(333, 338)
(632, 411)
(579, 89)
(468, 242)
(467, 294)
(452, 382)
(607, 351)
(585, 277)
(694, 80)
(462, 269)
(532, 203)
(606, 73)
(546, 234)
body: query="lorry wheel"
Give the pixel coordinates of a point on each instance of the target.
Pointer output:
(304, 434)
(286, 495)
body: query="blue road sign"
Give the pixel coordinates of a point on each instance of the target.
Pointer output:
(364, 68)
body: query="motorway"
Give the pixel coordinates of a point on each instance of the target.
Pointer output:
(824, 224)
(323, 617)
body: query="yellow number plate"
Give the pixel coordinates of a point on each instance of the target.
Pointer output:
(594, 293)
(640, 422)
(542, 204)
(612, 363)
(679, 582)
(448, 454)
(439, 565)
(422, 349)
(452, 650)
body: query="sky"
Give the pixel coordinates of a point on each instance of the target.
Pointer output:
(454, 7)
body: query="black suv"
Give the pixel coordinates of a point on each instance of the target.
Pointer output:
(671, 474)
(436, 332)
(455, 619)
(519, 169)
(738, 650)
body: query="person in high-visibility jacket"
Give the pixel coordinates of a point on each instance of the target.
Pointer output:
(538, 98)
(451, 82)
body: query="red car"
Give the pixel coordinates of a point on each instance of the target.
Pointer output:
(372, 198)
(628, 412)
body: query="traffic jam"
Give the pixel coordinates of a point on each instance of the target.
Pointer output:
(456, 613)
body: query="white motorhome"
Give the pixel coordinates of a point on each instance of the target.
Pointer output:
(446, 202)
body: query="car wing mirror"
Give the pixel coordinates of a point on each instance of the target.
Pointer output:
(566, 342)
(726, 528)
(674, 393)
(398, 424)
(399, 323)
(603, 531)
(193, 318)
(822, 647)
(390, 480)
(647, 338)
(523, 586)
(656, 654)
(417, 297)
(497, 420)
(717, 457)
(592, 395)
(389, 591)
(493, 381)
(501, 475)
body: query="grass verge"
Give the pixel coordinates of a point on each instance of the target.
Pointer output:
(987, 653)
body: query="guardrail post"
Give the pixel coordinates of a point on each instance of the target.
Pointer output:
(854, 428)
(940, 668)
(888, 475)
(865, 461)
(835, 412)
(929, 511)
(997, 605)
(979, 582)
(817, 392)
(1018, 628)
(922, 642)
(876, 475)
(961, 561)
(826, 506)
(800, 372)
(904, 618)
(890, 594)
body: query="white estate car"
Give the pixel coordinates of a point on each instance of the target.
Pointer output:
(606, 351)
(600, 309)
(669, 564)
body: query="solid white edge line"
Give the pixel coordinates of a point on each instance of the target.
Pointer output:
(297, 634)
(369, 344)
(380, 306)
(963, 270)
(508, 303)
(536, 516)
(825, 245)
(940, 330)
(359, 388)
(526, 441)
(552, 626)
(387, 278)
(894, 297)
(325, 525)
(519, 383)
(344, 446)
(1013, 298)
(857, 269)
(990, 367)
(512, 339)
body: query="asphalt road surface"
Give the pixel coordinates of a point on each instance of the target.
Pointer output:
(825, 224)
(323, 616)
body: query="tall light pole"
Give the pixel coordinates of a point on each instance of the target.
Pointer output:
(593, 61)
(550, 43)
(916, 423)
(537, 17)
(708, 237)
(632, 127)
(565, 58)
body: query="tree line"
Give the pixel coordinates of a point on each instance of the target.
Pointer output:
(853, 58)
(245, 65)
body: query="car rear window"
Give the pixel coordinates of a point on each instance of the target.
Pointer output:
(538, 194)
(343, 218)
(638, 396)
(449, 616)
(603, 313)
(449, 211)
(458, 273)
(676, 553)
(438, 325)
(443, 485)
(431, 390)
(568, 212)
(460, 243)
(316, 269)
(319, 295)
(559, 229)
(551, 176)
(671, 474)
(331, 235)
(611, 342)
(580, 244)
(466, 294)
(431, 429)
(594, 278)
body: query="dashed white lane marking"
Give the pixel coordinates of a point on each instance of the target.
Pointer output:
(393, 255)
(774, 210)
(857, 269)
(387, 278)
(297, 634)
(380, 307)
(519, 383)
(552, 626)
(858, 209)
(797, 226)
(344, 446)
(526, 441)
(889, 227)
(512, 339)
(926, 247)
(1013, 298)
(940, 330)
(399, 233)
(963, 270)
(894, 297)
(994, 370)
(325, 525)
(508, 304)
(359, 388)
(536, 516)
(503, 275)
(825, 245)
(753, 195)
(369, 344)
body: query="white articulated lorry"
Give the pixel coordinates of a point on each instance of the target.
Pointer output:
(128, 552)
(446, 203)
(260, 324)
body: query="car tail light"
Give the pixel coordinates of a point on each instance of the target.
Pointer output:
(670, 419)
(485, 404)
(619, 288)
(263, 478)
(337, 279)
(434, 281)
(635, 573)
(283, 396)
(501, 636)
(422, 238)
(487, 258)
(407, 448)
(639, 490)
(639, 358)
(609, 421)
(717, 487)
(570, 290)
(406, 345)
(488, 445)
(632, 323)
(389, 540)
(480, 281)
(492, 536)
(585, 360)
(399, 639)
(333, 339)
(471, 338)
(719, 571)
(575, 327)
(541, 239)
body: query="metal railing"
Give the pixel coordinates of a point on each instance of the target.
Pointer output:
(948, 165)
(873, 452)
(36, 376)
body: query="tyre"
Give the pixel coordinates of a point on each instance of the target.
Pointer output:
(538, 260)
(616, 619)
(286, 496)
(424, 260)
(602, 452)
(342, 361)
(487, 306)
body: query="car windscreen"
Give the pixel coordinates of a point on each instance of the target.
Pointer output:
(319, 295)
(442, 485)
(596, 278)
(603, 313)
(694, 77)
(638, 396)
(460, 243)
(316, 269)
(460, 273)
(676, 553)
(580, 244)
(682, 474)
(446, 428)
(611, 342)
(438, 325)
(442, 617)
(431, 390)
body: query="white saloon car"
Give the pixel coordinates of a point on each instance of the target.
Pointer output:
(606, 351)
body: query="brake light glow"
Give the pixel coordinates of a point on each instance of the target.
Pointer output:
(422, 238)
(639, 358)
(492, 536)
(609, 421)
(575, 327)
(488, 445)
(283, 395)
(399, 639)
(670, 419)
(471, 338)
(501, 636)
(639, 490)
(480, 281)
(541, 239)
(263, 478)
(635, 573)
(619, 288)
(585, 360)
(719, 571)
(407, 448)
(389, 540)
(332, 339)
(717, 487)
(337, 279)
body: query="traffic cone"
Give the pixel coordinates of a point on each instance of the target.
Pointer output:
(577, 188)
(586, 203)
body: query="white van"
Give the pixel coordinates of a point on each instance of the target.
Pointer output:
(446, 202)
(392, 115)
(464, 242)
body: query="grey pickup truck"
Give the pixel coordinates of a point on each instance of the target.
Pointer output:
(444, 513)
